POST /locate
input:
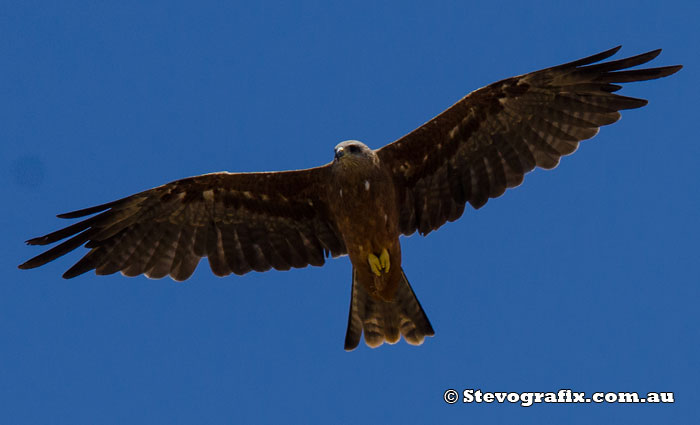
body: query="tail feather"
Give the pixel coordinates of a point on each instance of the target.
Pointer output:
(386, 321)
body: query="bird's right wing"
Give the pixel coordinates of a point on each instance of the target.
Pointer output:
(240, 222)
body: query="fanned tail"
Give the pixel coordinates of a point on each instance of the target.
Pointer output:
(386, 321)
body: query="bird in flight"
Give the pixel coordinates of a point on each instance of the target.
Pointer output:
(361, 202)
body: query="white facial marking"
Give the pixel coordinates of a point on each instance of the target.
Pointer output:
(366, 184)
(341, 193)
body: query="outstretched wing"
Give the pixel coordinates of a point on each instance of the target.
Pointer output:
(241, 222)
(487, 141)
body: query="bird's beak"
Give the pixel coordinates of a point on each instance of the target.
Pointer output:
(339, 152)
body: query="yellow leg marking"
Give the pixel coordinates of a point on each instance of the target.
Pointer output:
(381, 264)
(374, 264)
(384, 260)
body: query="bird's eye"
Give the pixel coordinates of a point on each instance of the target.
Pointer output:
(354, 148)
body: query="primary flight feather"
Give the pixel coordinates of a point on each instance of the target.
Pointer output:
(361, 202)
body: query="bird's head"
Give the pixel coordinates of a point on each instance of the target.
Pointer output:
(352, 151)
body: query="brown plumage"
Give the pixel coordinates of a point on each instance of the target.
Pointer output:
(361, 202)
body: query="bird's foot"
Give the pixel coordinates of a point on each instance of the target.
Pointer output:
(379, 264)
(384, 260)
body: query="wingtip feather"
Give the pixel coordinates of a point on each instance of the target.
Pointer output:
(40, 240)
(90, 210)
(25, 266)
(70, 273)
(591, 59)
(671, 69)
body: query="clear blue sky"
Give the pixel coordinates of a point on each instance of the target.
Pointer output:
(585, 277)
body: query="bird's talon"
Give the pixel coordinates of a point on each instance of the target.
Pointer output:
(384, 260)
(380, 264)
(374, 264)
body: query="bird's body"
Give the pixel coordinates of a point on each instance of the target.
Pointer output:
(383, 303)
(360, 203)
(367, 200)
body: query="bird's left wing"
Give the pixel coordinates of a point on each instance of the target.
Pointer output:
(241, 222)
(486, 142)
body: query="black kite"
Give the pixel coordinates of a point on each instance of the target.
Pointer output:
(360, 203)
